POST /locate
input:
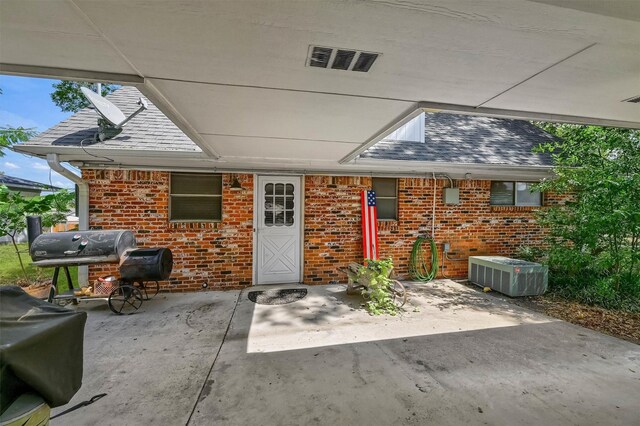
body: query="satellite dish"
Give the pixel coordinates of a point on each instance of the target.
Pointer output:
(112, 119)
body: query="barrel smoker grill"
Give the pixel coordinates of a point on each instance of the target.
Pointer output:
(140, 268)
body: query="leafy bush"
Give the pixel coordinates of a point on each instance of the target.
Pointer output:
(15, 207)
(530, 253)
(379, 291)
(594, 238)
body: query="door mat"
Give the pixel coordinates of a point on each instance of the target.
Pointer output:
(277, 297)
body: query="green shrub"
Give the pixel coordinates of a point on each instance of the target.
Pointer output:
(530, 253)
(379, 291)
(594, 239)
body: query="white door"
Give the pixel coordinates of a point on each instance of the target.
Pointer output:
(278, 230)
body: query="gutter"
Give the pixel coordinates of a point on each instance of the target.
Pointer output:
(83, 205)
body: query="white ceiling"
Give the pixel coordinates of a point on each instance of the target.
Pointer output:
(232, 74)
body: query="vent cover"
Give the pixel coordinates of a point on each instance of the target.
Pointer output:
(633, 100)
(340, 59)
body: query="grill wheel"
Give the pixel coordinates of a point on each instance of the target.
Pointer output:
(125, 300)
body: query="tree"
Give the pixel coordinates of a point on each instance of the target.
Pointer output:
(14, 209)
(594, 240)
(69, 98)
(12, 135)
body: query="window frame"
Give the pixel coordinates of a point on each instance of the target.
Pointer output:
(212, 196)
(514, 196)
(396, 197)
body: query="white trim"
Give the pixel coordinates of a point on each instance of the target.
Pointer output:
(494, 172)
(525, 115)
(301, 224)
(254, 272)
(70, 74)
(70, 150)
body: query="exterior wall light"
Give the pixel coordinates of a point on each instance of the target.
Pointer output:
(235, 184)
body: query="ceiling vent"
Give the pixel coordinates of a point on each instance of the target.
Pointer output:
(340, 59)
(633, 100)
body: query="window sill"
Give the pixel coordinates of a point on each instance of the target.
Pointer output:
(515, 208)
(194, 221)
(387, 225)
(186, 224)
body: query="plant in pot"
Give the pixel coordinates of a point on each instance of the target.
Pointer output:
(384, 295)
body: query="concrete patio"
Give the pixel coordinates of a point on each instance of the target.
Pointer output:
(456, 356)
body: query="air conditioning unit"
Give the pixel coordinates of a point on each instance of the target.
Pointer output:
(512, 277)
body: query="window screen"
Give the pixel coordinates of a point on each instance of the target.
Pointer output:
(386, 190)
(514, 194)
(195, 197)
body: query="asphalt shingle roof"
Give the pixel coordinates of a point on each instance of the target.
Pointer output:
(469, 139)
(149, 130)
(17, 182)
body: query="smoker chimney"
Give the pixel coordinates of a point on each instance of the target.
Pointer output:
(34, 228)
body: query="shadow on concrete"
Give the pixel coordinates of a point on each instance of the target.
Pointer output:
(546, 373)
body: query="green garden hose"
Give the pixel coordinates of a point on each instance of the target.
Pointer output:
(417, 264)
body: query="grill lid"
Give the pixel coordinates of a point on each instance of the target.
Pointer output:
(81, 247)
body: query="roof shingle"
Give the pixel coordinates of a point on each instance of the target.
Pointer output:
(150, 130)
(469, 139)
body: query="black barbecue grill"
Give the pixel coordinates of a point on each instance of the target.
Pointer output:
(140, 268)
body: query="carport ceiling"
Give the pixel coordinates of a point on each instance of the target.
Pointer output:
(234, 76)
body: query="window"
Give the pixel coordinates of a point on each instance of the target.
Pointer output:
(278, 204)
(195, 197)
(386, 190)
(514, 194)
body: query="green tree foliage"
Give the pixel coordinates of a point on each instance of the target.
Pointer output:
(14, 209)
(594, 240)
(12, 135)
(69, 98)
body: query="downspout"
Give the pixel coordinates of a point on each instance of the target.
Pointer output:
(83, 205)
(433, 215)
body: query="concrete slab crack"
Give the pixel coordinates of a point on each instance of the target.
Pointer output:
(207, 383)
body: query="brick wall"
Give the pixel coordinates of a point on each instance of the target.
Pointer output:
(332, 226)
(218, 254)
(473, 227)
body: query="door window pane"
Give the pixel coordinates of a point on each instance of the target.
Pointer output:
(279, 209)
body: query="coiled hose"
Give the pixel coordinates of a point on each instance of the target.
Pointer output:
(417, 264)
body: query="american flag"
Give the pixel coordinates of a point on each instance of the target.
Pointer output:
(369, 225)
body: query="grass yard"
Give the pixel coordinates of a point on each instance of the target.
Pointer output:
(11, 274)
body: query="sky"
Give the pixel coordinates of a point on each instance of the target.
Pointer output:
(27, 102)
